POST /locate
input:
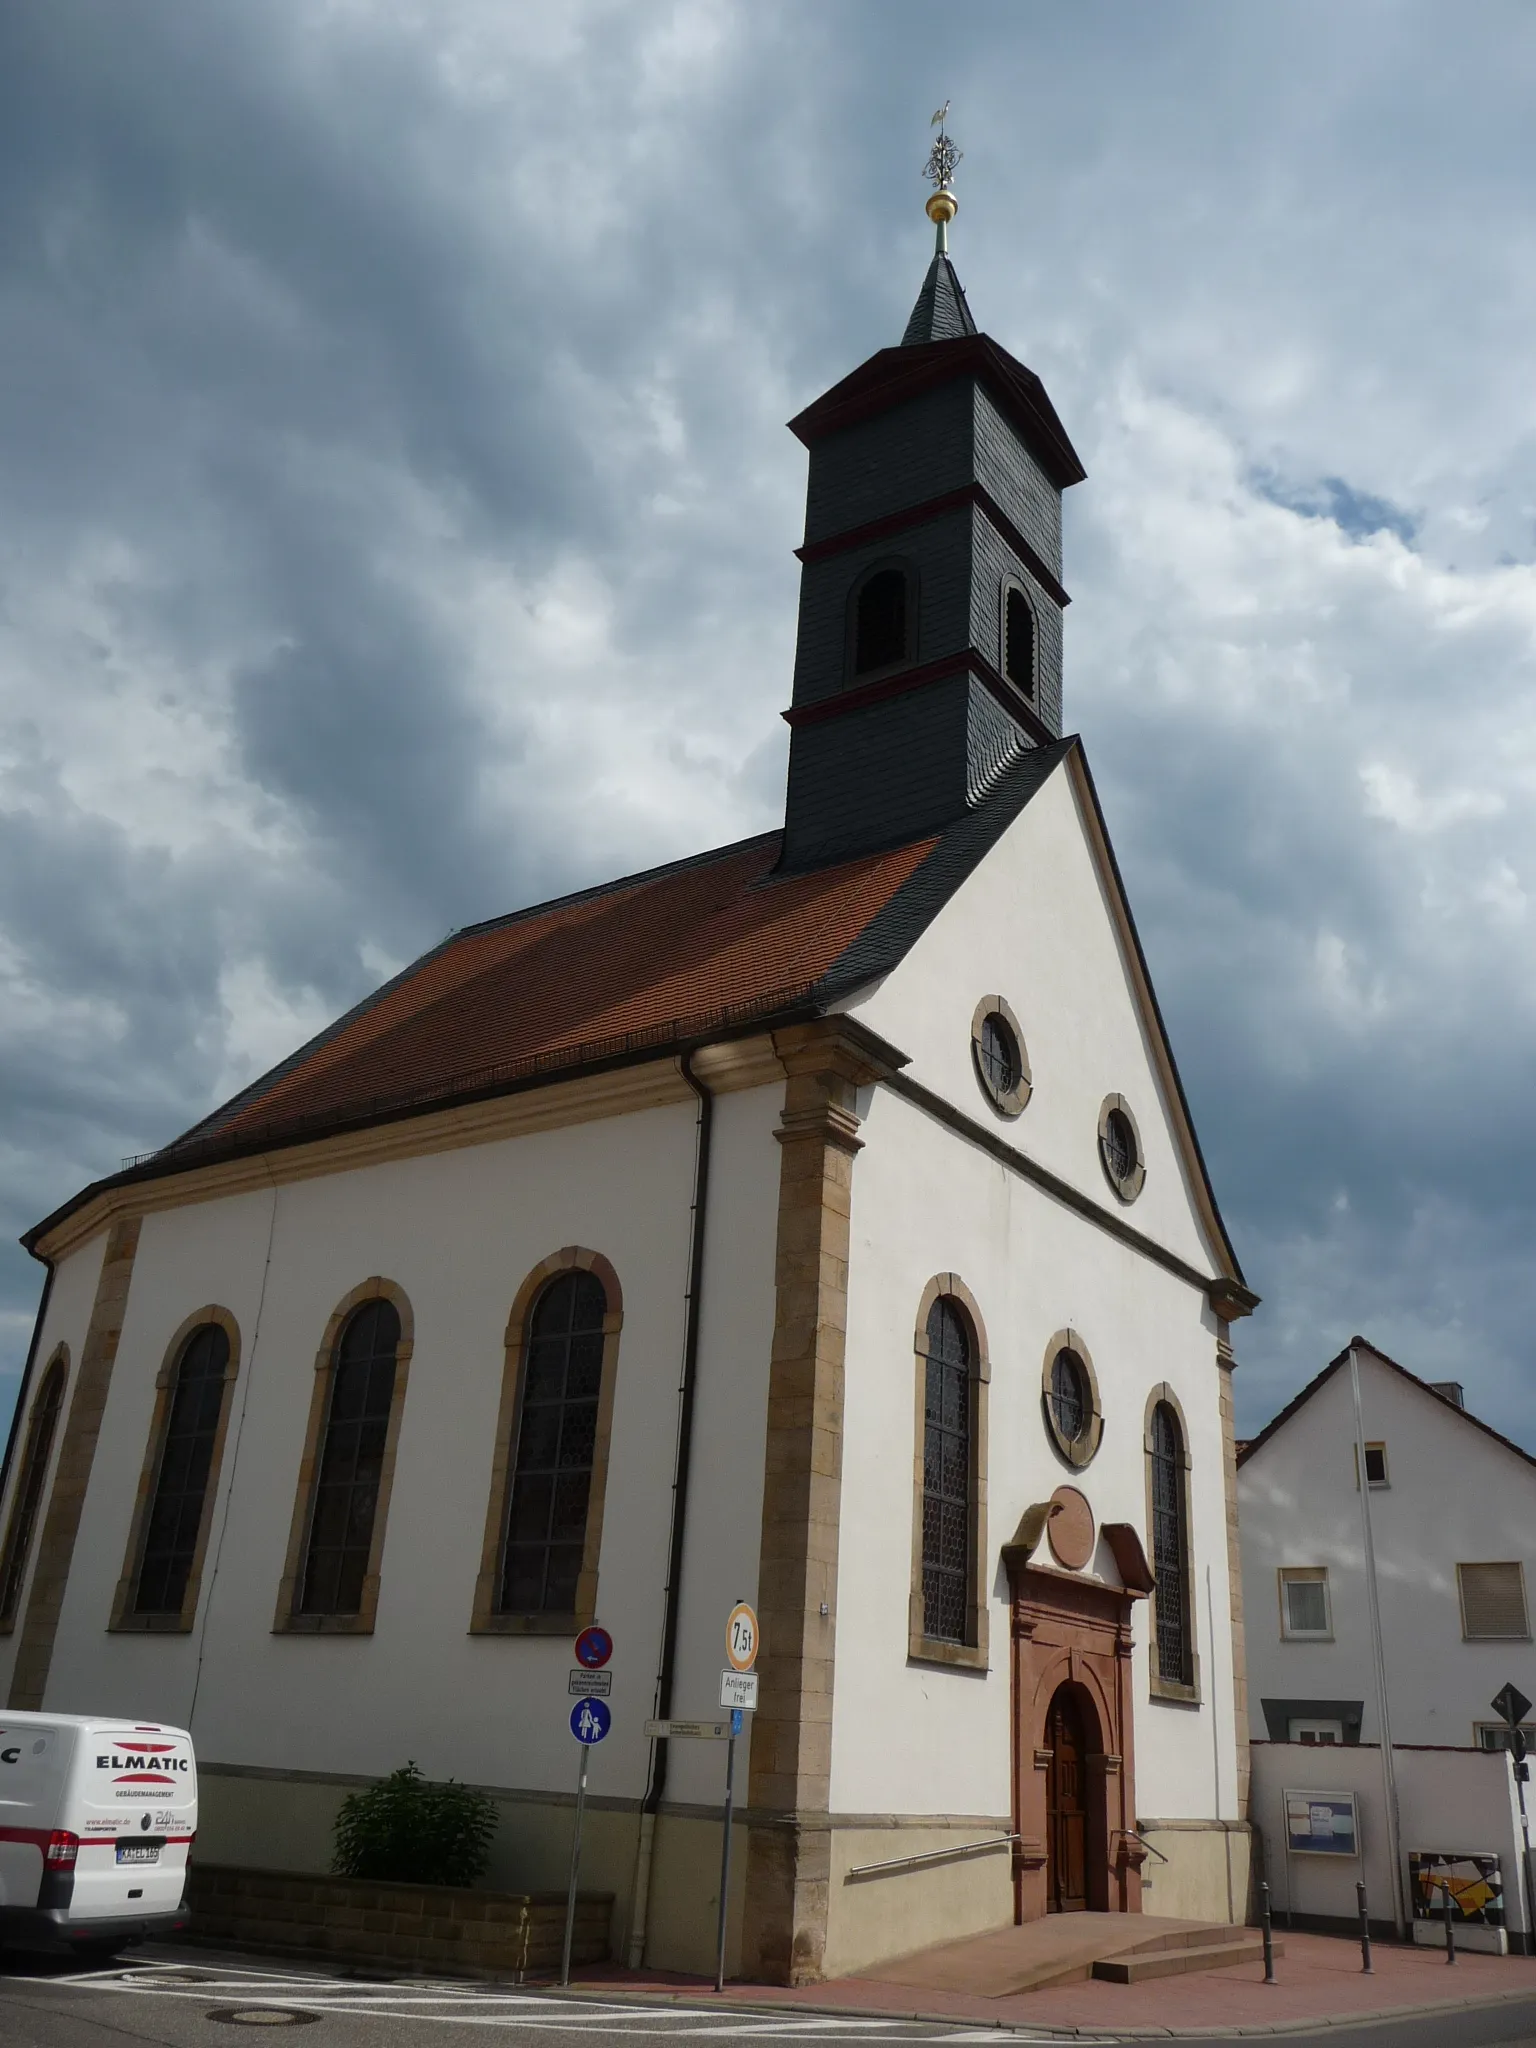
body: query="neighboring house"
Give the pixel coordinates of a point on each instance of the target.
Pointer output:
(1453, 1519)
(842, 1177)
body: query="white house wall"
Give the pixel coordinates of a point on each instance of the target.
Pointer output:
(458, 1232)
(1033, 924)
(65, 1321)
(924, 1739)
(1456, 1496)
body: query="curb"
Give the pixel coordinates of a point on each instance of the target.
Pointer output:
(777, 2008)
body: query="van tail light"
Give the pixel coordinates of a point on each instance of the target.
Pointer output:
(62, 1850)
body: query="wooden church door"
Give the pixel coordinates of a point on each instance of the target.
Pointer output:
(1066, 1812)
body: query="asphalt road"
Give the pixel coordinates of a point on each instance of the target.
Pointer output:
(218, 2002)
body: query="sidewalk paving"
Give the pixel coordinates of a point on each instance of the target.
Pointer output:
(1317, 1979)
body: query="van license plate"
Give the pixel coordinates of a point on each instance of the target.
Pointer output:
(138, 1852)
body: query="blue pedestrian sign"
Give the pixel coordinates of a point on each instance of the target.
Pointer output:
(590, 1721)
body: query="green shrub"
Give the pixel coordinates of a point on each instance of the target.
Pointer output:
(407, 1830)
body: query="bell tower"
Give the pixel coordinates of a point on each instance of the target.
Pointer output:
(931, 601)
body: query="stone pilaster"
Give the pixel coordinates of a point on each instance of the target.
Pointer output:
(72, 1476)
(1226, 1364)
(788, 1863)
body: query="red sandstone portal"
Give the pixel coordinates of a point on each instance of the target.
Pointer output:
(1074, 1790)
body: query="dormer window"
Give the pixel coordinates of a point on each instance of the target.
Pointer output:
(1019, 639)
(882, 622)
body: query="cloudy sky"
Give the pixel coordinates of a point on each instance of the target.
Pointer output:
(396, 516)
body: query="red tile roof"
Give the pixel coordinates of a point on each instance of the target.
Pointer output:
(552, 987)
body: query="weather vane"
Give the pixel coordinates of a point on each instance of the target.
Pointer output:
(940, 168)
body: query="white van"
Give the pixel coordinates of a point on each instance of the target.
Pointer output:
(97, 1820)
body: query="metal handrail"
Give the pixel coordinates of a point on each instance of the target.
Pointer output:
(930, 1856)
(1137, 1836)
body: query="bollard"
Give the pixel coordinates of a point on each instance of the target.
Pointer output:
(1365, 1930)
(1450, 1931)
(1269, 1933)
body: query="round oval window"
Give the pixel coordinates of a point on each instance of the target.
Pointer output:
(1119, 1144)
(999, 1055)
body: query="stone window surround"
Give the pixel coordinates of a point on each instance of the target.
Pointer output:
(58, 1360)
(1130, 1187)
(972, 1654)
(1010, 584)
(288, 1620)
(908, 567)
(123, 1617)
(1161, 1688)
(1010, 1104)
(485, 1619)
(1075, 1455)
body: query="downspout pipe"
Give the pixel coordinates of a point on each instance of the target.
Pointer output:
(26, 1376)
(650, 1806)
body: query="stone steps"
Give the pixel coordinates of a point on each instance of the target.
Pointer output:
(1180, 1959)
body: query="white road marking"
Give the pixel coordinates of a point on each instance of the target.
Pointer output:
(459, 2004)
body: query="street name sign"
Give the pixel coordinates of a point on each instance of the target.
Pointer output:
(738, 1688)
(692, 1731)
(590, 1685)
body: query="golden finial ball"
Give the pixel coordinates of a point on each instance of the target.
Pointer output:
(942, 206)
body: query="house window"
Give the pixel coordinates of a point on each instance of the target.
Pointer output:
(175, 1519)
(562, 1381)
(351, 1465)
(1375, 1466)
(1019, 639)
(1170, 1549)
(1120, 1151)
(1499, 1734)
(29, 1489)
(947, 1459)
(1002, 1065)
(1070, 1405)
(1305, 1609)
(882, 627)
(1493, 1603)
(1069, 1392)
(1317, 1734)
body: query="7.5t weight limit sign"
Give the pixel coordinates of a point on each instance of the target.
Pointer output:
(741, 1637)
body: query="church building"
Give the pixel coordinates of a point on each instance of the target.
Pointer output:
(816, 1222)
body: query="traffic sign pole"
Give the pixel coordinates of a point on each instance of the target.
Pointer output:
(570, 1897)
(742, 1636)
(725, 1852)
(1511, 1705)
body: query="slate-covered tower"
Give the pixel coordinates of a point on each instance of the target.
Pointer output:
(929, 651)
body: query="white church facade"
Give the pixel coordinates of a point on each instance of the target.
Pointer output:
(818, 1222)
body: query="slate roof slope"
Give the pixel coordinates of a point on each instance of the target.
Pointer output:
(941, 313)
(1277, 1422)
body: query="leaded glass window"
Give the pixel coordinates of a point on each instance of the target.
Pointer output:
(1119, 1145)
(29, 1490)
(999, 1056)
(947, 1458)
(556, 1439)
(1070, 1404)
(1170, 1546)
(181, 1483)
(351, 1461)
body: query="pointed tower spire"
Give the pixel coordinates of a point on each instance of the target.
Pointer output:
(941, 313)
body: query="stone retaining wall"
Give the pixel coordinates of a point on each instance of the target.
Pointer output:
(423, 1926)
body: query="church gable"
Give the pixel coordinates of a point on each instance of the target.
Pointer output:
(1041, 923)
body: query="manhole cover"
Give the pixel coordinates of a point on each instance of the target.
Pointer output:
(261, 2016)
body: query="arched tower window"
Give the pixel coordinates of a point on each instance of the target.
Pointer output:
(556, 1447)
(350, 1469)
(29, 1489)
(1019, 639)
(948, 1463)
(882, 621)
(1170, 1547)
(191, 1432)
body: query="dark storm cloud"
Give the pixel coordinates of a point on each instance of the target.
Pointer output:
(396, 518)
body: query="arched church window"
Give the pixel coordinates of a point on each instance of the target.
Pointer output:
(189, 1435)
(882, 622)
(948, 1462)
(544, 1549)
(1019, 639)
(28, 1501)
(350, 1471)
(1170, 1548)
